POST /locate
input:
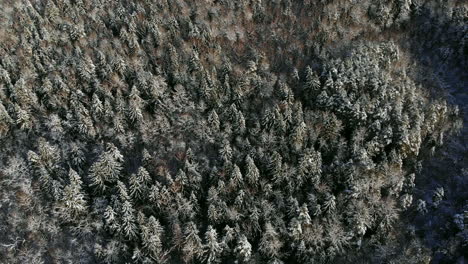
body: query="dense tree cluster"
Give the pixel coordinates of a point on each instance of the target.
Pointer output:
(212, 131)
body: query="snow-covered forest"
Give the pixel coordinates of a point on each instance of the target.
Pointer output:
(233, 131)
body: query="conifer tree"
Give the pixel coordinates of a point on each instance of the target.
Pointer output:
(192, 245)
(295, 229)
(236, 179)
(152, 237)
(304, 217)
(98, 108)
(136, 188)
(252, 172)
(298, 135)
(312, 82)
(23, 118)
(276, 167)
(110, 217)
(212, 248)
(107, 169)
(243, 249)
(135, 105)
(329, 204)
(128, 227)
(73, 202)
(5, 120)
(270, 242)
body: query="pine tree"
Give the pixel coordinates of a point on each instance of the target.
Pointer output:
(5, 120)
(239, 202)
(135, 105)
(236, 179)
(49, 155)
(98, 108)
(23, 118)
(276, 167)
(270, 242)
(152, 237)
(136, 188)
(240, 123)
(243, 249)
(73, 202)
(214, 205)
(139, 183)
(194, 62)
(298, 135)
(192, 245)
(421, 206)
(110, 217)
(252, 173)
(310, 165)
(128, 226)
(304, 217)
(312, 83)
(438, 196)
(181, 180)
(212, 248)
(193, 176)
(295, 229)
(107, 169)
(329, 204)
(226, 152)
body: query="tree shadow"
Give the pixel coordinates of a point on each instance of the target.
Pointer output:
(438, 45)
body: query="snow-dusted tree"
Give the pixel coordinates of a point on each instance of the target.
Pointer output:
(135, 188)
(243, 249)
(139, 183)
(23, 118)
(421, 206)
(275, 167)
(128, 227)
(312, 82)
(304, 217)
(107, 169)
(212, 248)
(97, 106)
(252, 173)
(270, 242)
(73, 203)
(152, 237)
(438, 196)
(135, 105)
(5, 120)
(226, 152)
(329, 202)
(192, 245)
(310, 165)
(111, 221)
(236, 180)
(297, 136)
(295, 229)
